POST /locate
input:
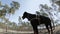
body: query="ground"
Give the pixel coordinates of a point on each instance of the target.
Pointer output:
(3, 31)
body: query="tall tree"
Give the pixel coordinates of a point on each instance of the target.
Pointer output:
(20, 21)
(46, 11)
(50, 11)
(9, 9)
(6, 9)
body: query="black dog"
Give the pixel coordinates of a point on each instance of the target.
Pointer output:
(39, 20)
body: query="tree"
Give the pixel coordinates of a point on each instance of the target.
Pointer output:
(15, 5)
(20, 21)
(50, 11)
(46, 10)
(6, 9)
(9, 10)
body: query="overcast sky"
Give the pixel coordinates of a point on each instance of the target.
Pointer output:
(25, 5)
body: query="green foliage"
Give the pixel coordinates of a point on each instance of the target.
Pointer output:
(0, 3)
(14, 4)
(9, 9)
(2, 12)
(58, 2)
(45, 6)
(12, 10)
(6, 9)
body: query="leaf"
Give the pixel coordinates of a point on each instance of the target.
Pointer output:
(45, 6)
(6, 6)
(0, 4)
(41, 9)
(58, 3)
(14, 4)
(12, 10)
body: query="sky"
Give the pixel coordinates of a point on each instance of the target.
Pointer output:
(30, 6)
